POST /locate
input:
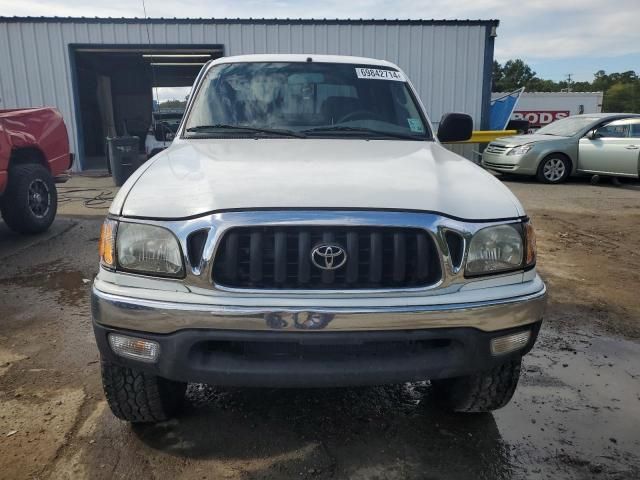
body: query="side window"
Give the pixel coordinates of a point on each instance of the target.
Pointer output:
(615, 129)
(635, 130)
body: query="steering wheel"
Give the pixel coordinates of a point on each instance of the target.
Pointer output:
(361, 115)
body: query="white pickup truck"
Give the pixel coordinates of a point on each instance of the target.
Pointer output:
(306, 228)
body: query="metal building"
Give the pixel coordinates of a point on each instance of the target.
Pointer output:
(86, 66)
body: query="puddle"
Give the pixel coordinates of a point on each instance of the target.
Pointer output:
(69, 286)
(577, 406)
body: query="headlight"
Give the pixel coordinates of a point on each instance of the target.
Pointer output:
(148, 249)
(521, 150)
(495, 249)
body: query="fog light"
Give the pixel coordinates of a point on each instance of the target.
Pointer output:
(510, 343)
(135, 348)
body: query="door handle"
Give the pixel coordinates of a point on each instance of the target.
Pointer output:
(632, 147)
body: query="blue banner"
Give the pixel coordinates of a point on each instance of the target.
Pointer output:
(502, 108)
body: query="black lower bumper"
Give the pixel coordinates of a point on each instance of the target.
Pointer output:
(316, 359)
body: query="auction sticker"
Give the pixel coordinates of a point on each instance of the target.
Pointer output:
(415, 125)
(379, 74)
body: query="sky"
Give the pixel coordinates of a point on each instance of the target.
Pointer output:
(555, 37)
(162, 94)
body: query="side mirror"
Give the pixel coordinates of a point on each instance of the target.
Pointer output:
(455, 127)
(593, 134)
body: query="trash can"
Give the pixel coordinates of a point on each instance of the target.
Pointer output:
(123, 157)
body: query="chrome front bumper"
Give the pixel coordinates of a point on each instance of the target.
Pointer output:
(162, 317)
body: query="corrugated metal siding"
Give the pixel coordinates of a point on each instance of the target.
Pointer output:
(445, 60)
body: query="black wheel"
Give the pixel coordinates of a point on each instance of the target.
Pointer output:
(140, 397)
(482, 392)
(30, 202)
(554, 169)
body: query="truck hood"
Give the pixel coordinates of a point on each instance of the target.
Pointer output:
(516, 140)
(195, 177)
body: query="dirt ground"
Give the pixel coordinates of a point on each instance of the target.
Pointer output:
(575, 415)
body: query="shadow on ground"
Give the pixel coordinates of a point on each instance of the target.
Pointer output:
(379, 432)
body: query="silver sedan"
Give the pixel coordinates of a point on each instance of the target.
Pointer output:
(603, 144)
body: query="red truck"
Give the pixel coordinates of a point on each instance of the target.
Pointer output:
(34, 154)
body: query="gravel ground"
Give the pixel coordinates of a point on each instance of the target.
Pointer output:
(576, 413)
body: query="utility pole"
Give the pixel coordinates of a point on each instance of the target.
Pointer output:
(569, 82)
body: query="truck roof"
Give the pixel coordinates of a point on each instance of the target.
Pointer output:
(606, 115)
(303, 58)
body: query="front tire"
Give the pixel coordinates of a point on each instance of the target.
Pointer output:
(30, 202)
(483, 392)
(554, 169)
(140, 397)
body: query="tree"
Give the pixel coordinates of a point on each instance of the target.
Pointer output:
(622, 97)
(625, 77)
(538, 85)
(621, 89)
(173, 104)
(582, 87)
(513, 75)
(497, 77)
(601, 81)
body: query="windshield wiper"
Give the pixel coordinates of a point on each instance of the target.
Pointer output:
(371, 131)
(246, 128)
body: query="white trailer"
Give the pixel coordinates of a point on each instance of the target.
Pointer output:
(542, 108)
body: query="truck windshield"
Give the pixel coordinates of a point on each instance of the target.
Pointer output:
(305, 99)
(567, 127)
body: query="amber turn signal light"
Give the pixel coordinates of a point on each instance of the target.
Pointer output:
(106, 247)
(530, 239)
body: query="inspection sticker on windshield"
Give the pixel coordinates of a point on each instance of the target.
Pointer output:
(379, 74)
(415, 125)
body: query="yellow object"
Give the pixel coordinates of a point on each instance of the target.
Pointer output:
(486, 136)
(107, 241)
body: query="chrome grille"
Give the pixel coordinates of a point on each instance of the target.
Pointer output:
(280, 258)
(495, 148)
(501, 166)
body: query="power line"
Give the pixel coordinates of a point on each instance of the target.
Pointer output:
(154, 90)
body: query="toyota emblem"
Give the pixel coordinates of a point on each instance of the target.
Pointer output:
(328, 256)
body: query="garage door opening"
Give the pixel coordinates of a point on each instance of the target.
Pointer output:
(118, 88)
